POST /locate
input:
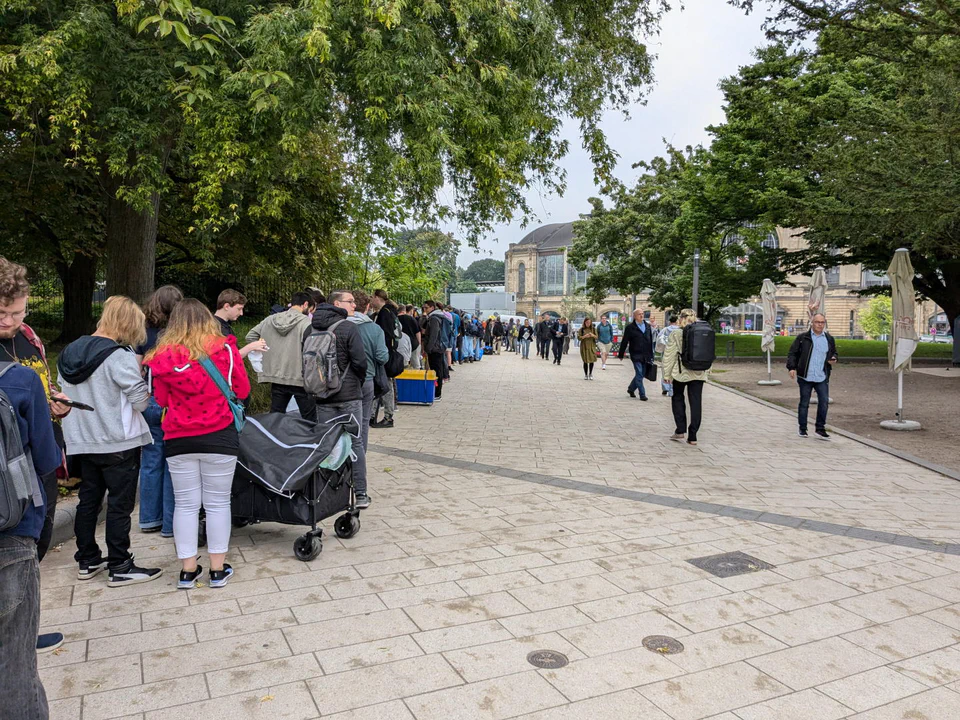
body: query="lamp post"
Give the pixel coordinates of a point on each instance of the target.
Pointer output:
(696, 280)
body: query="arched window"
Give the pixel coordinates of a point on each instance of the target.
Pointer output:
(521, 279)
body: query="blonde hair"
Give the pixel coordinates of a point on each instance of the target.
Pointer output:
(191, 326)
(123, 320)
(687, 316)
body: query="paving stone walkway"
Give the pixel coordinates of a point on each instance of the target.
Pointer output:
(531, 510)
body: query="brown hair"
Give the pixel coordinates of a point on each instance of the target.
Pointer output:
(158, 307)
(362, 300)
(123, 320)
(230, 297)
(13, 281)
(687, 316)
(586, 320)
(191, 326)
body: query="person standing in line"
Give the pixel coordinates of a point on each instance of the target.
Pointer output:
(638, 337)
(383, 312)
(457, 330)
(560, 333)
(604, 340)
(101, 370)
(448, 340)
(156, 489)
(684, 380)
(810, 362)
(497, 334)
(25, 395)
(468, 338)
(433, 342)
(375, 349)
(508, 335)
(412, 330)
(202, 441)
(660, 346)
(588, 347)
(525, 335)
(20, 344)
(283, 334)
(230, 304)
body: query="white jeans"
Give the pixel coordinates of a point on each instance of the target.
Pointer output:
(205, 477)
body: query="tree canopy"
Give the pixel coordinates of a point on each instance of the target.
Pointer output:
(485, 270)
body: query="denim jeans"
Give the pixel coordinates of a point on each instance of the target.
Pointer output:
(114, 475)
(525, 346)
(360, 466)
(468, 347)
(637, 383)
(156, 490)
(823, 402)
(388, 401)
(20, 687)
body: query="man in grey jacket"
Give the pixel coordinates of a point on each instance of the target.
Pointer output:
(283, 357)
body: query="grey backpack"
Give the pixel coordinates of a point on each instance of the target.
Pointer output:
(321, 372)
(19, 484)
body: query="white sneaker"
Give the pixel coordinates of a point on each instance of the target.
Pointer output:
(603, 367)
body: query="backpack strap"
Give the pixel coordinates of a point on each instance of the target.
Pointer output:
(5, 365)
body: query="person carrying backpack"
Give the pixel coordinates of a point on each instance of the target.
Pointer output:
(681, 366)
(385, 316)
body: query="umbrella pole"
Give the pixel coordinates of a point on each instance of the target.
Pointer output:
(900, 396)
(769, 370)
(900, 423)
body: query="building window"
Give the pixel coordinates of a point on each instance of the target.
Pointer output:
(871, 279)
(833, 276)
(576, 279)
(521, 279)
(550, 274)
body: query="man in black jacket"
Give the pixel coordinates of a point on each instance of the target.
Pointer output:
(542, 331)
(433, 342)
(559, 332)
(386, 320)
(638, 336)
(810, 360)
(351, 358)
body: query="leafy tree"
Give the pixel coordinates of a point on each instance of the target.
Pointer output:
(877, 318)
(485, 270)
(644, 242)
(462, 285)
(418, 264)
(216, 117)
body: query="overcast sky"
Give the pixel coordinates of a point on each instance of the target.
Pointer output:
(697, 47)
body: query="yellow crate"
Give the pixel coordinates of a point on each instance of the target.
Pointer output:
(417, 375)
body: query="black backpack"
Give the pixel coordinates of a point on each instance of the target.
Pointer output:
(19, 485)
(699, 346)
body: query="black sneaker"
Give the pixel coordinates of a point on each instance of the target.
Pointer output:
(362, 502)
(48, 642)
(803, 434)
(382, 424)
(154, 529)
(89, 570)
(821, 435)
(218, 578)
(643, 397)
(631, 393)
(130, 574)
(188, 580)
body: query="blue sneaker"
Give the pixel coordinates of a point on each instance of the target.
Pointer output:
(48, 642)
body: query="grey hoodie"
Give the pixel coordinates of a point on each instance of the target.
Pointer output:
(374, 345)
(283, 362)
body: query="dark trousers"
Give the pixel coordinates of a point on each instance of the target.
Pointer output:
(20, 686)
(52, 492)
(694, 390)
(588, 369)
(280, 397)
(114, 475)
(436, 360)
(543, 347)
(823, 402)
(557, 350)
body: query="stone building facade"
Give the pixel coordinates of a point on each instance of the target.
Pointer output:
(536, 269)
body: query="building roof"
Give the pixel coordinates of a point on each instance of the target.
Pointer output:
(550, 237)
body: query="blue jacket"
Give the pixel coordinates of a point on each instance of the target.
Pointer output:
(24, 389)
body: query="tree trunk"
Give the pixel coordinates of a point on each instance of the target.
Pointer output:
(79, 280)
(131, 248)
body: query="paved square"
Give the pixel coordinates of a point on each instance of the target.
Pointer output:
(531, 510)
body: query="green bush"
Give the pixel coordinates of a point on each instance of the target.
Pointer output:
(749, 346)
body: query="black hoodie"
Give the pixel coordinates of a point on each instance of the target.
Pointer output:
(351, 357)
(80, 359)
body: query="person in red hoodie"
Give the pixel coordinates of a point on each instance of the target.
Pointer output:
(200, 434)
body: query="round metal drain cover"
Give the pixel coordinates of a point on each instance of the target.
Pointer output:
(662, 644)
(547, 659)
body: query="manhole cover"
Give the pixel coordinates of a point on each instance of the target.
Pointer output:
(730, 564)
(662, 644)
(547, 659)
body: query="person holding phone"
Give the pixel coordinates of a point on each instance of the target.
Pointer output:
(810, 361)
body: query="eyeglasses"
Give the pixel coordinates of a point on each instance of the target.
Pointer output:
(351, 301)
(15, 316)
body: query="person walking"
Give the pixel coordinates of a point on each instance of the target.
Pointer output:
(497, 334)
(810, 361)
(544, 333)
(375, 349)
(683, 380)
(508, 335)
(524, 336)
(604, 340)
(587, 335)
(638, 337)
(101, 370)
(283, 333)
(196, 371)
(660, 347)
(433, 342)
(560, 333)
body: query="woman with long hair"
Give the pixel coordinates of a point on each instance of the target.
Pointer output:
(101, 370)
(684, 380)
(587, 335)
(156, 490)
(525, 336)
(194, 369)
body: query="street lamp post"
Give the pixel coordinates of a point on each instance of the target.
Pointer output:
(696, 280)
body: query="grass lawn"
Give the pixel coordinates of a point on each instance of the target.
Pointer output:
(749, 346)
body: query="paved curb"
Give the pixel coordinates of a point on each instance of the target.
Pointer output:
(952, 474)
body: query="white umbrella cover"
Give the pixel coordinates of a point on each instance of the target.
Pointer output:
(903, 332)
(768, 297)
(818, 293)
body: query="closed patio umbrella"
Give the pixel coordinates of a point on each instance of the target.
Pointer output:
(817, 303)
(768, 298)
(903, 333)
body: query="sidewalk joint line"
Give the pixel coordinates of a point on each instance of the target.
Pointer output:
(768, 518)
